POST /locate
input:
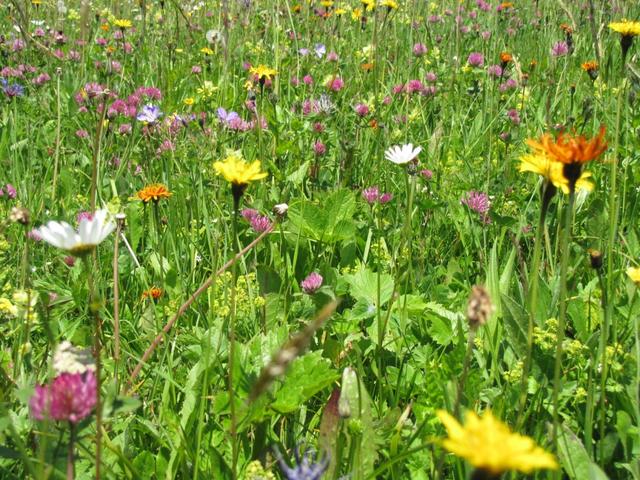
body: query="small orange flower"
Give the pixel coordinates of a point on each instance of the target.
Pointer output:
(367, 67)
(297, 8)
(506, 5)
(505, 58)
(154, 293)
(374, 124)
(591, 67)
(566, 28)
(570, 149)
(155, 192)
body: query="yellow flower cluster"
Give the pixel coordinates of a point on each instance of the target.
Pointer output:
(247, 295)
(7, 309)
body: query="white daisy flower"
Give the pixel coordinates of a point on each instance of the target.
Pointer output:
(91, 232)
(402, 154)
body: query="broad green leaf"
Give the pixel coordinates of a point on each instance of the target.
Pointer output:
(307, 376)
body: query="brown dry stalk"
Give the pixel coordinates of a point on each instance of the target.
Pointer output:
(185, 306)
(290, 351)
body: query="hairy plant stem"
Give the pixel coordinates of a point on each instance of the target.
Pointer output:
(562, 316)
(465, 371)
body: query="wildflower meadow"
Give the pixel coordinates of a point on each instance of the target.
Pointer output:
(319, 239)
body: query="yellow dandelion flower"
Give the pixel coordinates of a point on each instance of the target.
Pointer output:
(390, 4)
(634, 274)
(206, 51)
(489, 445)
(237, 171)
(356, 13)
(123, 23)
(262, 72)
(626, 28)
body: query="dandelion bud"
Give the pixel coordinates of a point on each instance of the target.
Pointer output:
(479, 307)
(596, 259)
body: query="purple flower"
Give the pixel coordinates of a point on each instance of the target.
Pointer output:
(371, 195)
(320, 50)
(260, 223)
(307, 466)
(559, 49)
(70, 397)
(312, 283)
(495, 71)
(319, 148)
(304, 52)
(385, 198)
(149, 114)
(426, 174)
(514, 116)
(10, 190)
(362, 110)
(249, 213)
(34, 235)
(478, 202)
(13, 90)
(419, 49)
(476, 59)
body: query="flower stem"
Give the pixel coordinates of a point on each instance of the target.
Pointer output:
(232, 339)
(97, 349)
(533, 296)
(70, 455)
(562, 317)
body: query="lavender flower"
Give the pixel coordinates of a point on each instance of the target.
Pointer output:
(311, 284)
(70, 397)
(320, 50)
(371, 195)
(149, 114)
(307, 466)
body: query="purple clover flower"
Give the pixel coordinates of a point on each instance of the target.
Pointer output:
(70, 397)
(311, 284)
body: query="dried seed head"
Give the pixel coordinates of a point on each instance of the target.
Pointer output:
(20, 215)
(479, 307)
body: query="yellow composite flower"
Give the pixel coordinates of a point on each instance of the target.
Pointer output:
(552, 171)
(626, 28)
(390, 4)
(634, 274)
(488, 444)
(189, 101)
(262, 72)
(206, 51)
(368, 4)
(356, 13)
(123, 23)
(237, 171)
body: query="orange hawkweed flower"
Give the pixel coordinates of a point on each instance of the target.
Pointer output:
(566, 28)
(154, 293)
(591, 67)
(155, 192)
(505, 58)
(571, 151)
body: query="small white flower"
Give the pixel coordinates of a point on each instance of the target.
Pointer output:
(281, 209)
(402, 154)
(91, 232)
(70, 359)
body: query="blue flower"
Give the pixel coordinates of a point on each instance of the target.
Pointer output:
(320, 50)
(149, 114)
(307, 466)
(13, 90)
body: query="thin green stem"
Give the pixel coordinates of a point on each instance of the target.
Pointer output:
(232, 340)
(562, 317)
